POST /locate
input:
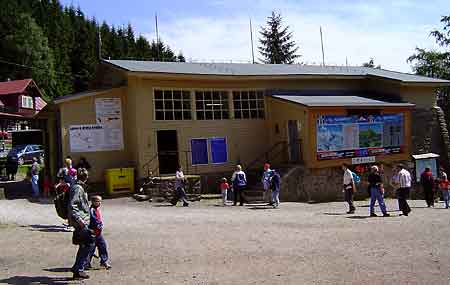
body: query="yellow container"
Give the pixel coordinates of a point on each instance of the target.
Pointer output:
(119, 180)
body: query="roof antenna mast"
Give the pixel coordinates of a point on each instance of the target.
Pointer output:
(321, 42)
(157, 35)
(251, 40)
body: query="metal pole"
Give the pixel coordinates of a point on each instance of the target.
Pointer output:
(251, 39)
(157, 36)
(321, 42)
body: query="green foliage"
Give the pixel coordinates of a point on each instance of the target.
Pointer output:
(58, 46)
(276, 44)
(23, 42)
(436, 64)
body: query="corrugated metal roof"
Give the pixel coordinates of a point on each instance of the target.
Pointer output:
(14, 86)
(239, 69)
(338, 101)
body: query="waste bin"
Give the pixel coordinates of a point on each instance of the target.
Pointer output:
(119, 180)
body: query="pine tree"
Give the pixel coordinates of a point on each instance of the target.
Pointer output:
(22, 42)
(143, 51)
(276, 42)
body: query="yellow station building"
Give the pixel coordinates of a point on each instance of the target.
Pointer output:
(207, 117)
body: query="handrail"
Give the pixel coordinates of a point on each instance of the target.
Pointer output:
(155, 170)
(265, 154)
(268, 155)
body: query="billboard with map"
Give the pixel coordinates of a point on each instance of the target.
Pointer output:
(359, 136)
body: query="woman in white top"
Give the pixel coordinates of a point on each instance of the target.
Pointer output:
(180, 194)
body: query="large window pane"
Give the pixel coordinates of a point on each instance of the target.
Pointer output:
(199, 151)
(218, 148)
(169, 105)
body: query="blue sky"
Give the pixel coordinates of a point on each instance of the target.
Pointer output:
(218, 30)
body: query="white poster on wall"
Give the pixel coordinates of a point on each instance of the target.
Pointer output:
(109, 114)
(86, 138)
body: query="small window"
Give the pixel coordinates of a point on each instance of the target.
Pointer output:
(27, 102)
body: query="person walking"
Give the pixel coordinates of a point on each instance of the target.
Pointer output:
(348, 188)
(35, 178)
(266, 182)
(239, 182)
(224, 188)
(96, 224)
(427, 181)
(79, 218)
(275, 183)
(376, 191)
(443, 186)
(180, 194)
(401, 180)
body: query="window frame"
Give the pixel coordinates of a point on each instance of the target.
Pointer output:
(224, 99)
(248, 100)
(181, 100)
(27, 99)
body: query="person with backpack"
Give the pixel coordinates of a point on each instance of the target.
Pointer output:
(427, 181)
(348, 188)
(67, 176)
(239, 182)
(79, 218)
(376, 191)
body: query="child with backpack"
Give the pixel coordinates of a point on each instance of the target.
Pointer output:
(239, 182)
(96, 224)
(224, 187)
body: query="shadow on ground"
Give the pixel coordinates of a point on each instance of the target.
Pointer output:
(335, 214)
(58, 269)
(268, 207)
(48, 228)
(37, 280)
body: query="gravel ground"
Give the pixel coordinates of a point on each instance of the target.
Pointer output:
(210, 244)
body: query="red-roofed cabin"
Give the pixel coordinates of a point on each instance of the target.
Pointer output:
(20, 99)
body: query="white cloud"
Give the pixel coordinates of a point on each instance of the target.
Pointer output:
(357, 31)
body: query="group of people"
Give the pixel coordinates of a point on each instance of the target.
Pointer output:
(271, 181)
(401, 181)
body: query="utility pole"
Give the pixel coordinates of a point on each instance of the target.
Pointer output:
(321, 42)
(251, 39)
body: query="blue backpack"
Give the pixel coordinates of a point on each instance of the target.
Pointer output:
(356, 178)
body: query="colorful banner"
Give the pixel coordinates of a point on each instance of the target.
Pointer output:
(359, 136)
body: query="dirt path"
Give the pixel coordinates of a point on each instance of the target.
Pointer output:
(208, 244)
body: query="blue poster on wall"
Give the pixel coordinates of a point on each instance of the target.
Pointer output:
(218, 150)
(199, 149)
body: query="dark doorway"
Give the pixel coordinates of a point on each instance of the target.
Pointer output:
(167, 151)
(293, 140)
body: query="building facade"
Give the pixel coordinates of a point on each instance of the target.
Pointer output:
(207, 117)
